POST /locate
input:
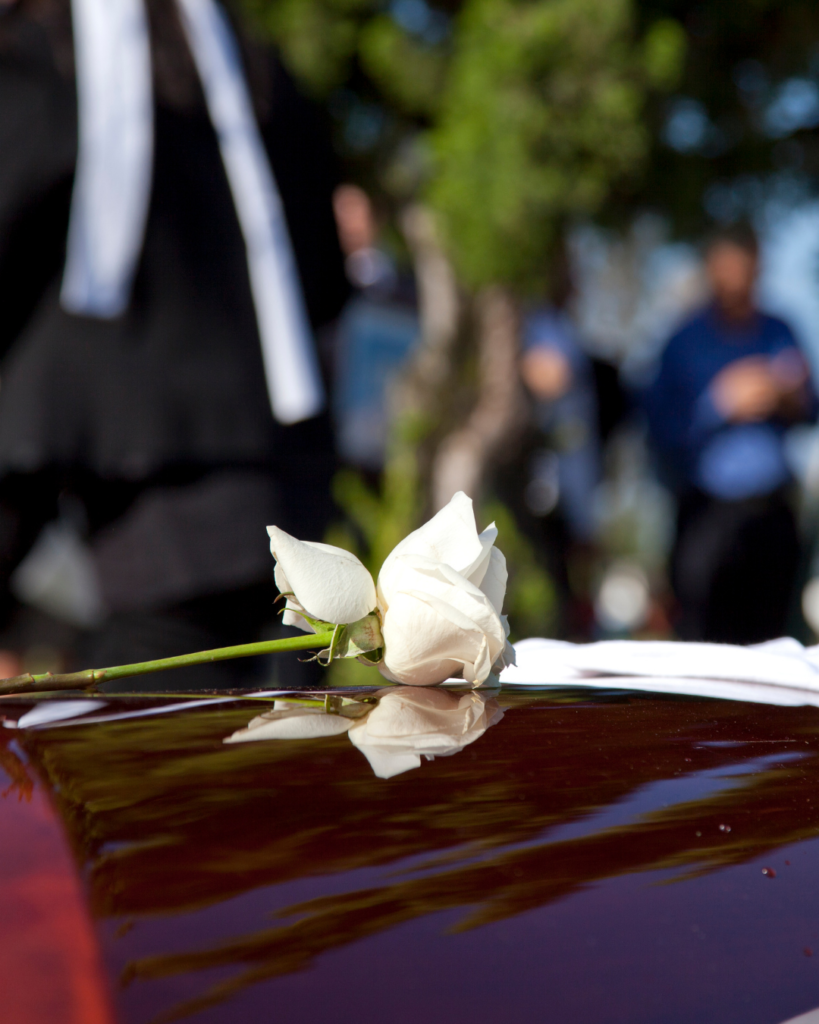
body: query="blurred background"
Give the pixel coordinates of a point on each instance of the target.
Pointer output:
(531, 197)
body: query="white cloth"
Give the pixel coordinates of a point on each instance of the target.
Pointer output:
(112, 187)
(778, 672)
(812, 1017)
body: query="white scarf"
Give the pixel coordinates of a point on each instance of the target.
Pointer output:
(109, 204)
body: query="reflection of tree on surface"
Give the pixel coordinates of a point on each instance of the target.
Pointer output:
(201, 823)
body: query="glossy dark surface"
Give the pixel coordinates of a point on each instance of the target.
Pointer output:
(50, 964)
(593, 858)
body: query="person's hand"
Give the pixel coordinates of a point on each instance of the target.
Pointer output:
(747, 390)
(546, 372)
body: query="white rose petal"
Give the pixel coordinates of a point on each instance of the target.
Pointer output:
(408, 724)
(438, 624)
(494, 581)
(328, 583)
(292, 607)
(477, 570)
(449, 537)
(297, 723)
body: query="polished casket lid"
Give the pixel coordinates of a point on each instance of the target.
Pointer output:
(592, 857)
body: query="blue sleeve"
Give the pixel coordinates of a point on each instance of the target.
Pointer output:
(783, 339)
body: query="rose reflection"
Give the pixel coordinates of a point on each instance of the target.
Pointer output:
(406, 724)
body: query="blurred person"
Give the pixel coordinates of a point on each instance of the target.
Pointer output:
(167, 255)
(376, 333)
(564, 465)
(730, 383)
(559, 375)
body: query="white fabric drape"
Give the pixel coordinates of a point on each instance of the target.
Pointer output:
(112, 188)
(777, 672)
(293, 380)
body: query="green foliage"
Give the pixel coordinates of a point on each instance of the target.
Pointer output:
(664, 48)
(377, 521)
(533, 109)
(409, 74)
(327, 43)
(318, 38)
(740, 56)
(542, 112)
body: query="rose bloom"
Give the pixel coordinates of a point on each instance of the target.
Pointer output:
(439, 596)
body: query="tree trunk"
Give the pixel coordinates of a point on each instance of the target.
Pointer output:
(464, 457)
(418, 394)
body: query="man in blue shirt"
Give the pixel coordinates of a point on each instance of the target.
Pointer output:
(730, 383)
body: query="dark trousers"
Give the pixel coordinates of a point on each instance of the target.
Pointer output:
(198, 542)
(734, 567)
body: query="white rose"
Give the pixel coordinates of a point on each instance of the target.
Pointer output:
(409, 723)
(439, 596)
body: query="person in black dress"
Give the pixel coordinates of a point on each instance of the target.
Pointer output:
(156, 422)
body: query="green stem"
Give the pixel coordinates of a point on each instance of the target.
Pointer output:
(90, 678)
